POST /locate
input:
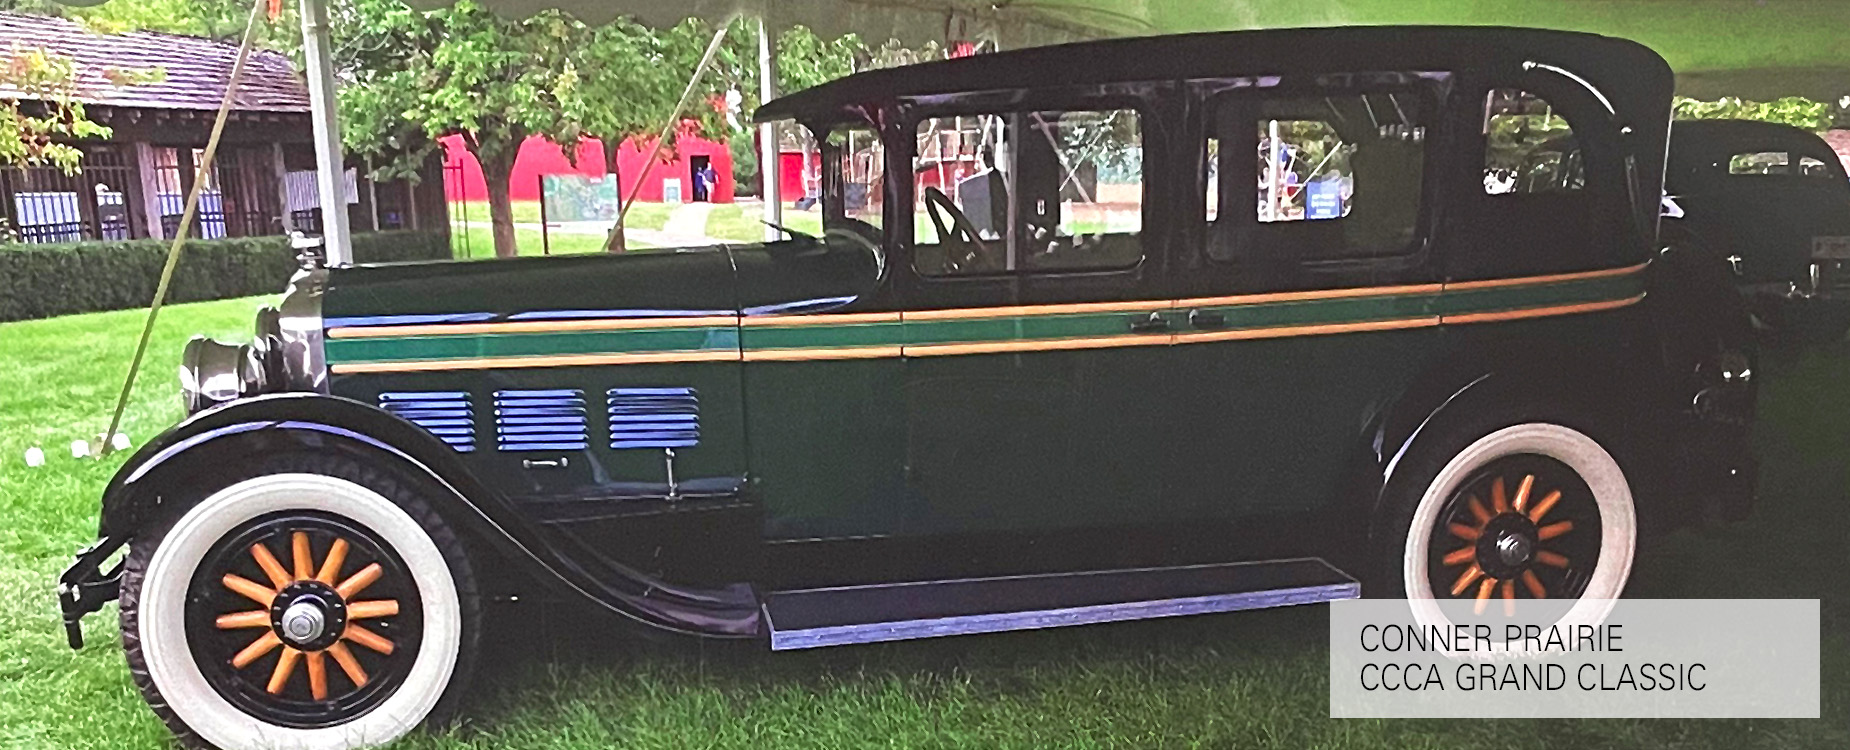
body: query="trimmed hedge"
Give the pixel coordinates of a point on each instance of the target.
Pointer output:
(41, 281)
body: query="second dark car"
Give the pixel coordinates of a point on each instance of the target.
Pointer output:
(1774, 201)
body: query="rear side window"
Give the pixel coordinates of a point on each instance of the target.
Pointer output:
(1316, 178)
(1777, 163)
(1528, 147)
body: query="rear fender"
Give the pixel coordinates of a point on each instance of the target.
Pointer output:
(1608, 387)
(144, 489)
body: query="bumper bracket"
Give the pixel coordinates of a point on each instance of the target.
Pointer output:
(84, 587)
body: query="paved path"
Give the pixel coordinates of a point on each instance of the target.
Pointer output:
(688, 219)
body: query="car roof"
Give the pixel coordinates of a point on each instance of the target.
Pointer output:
(1633, 77)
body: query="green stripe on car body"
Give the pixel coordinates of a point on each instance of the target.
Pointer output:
(1058, 323)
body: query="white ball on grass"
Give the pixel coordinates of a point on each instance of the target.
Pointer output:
(79, 448)
(35, 457)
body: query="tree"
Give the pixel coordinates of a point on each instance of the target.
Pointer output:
(624, 86)
(1792, 110)
(413, 77)
(43, 112)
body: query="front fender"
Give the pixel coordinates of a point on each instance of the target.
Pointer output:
(143, 488)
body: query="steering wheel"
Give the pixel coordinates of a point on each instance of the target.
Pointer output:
(964, 250)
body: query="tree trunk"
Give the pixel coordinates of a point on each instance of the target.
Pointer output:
(614, 242)
(496, 171)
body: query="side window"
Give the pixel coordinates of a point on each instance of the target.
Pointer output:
(1758, 162)
(1776, 163)
(862, 173)
(1528, 147)
(1028, 191)
(1328, 177)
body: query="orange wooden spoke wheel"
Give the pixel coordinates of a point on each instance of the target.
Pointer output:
(304, 619)
(1522, 527)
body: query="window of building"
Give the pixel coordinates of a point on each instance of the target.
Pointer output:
(1328, 177)
(1028, 191)
(1529, 148)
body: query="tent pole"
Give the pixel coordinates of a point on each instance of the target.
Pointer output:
(330, 167)
(769, 172)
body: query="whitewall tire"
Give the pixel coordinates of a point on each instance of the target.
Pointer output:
(1532, 510)
(372, 604)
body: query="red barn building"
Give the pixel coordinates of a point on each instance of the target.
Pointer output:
(540, 157)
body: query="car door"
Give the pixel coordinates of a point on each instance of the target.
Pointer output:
(1309, 306)
(1035, 317)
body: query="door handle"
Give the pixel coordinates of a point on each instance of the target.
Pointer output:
(1205, 319)
(1156, 323)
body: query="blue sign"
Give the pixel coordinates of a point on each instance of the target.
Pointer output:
(1323, 199)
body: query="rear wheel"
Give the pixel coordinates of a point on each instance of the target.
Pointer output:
(1522, 509)
(319, 605)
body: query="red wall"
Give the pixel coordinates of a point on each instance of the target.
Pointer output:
(539, 156)
(790, 173)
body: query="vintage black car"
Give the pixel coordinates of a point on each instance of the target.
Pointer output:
(1774, 201)
(1113, 330)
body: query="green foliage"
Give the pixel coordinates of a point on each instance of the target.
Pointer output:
(31, 130)
(805, 60)
(1793, 110)
(38, 281)
(744, 150)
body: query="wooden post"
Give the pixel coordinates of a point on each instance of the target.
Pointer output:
(9, 202)
(188, 174)
(281, 170)
(150, 189)
(86, 204)
(134, 207)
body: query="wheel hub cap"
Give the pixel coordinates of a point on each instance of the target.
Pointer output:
(1514, 549)
(1523, 527)
(303, 621)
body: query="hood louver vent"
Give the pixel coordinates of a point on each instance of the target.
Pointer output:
(540, 420)
(446, 414)
(665, 418)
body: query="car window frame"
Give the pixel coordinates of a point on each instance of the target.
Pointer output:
(1433, 165)
(1015, 102)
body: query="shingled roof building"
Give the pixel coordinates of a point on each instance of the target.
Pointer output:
(134, 183)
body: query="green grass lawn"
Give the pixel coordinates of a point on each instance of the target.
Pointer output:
(553, 679)
(642, 215)
(475, 239)
(479, 242)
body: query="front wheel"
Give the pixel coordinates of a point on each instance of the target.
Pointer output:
(323, 606)
(1529, 510)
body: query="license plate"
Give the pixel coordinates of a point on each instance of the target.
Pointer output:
(1830, 248)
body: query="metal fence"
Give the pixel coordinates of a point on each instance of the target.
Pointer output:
(43, 204)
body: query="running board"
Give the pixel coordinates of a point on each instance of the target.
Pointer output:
(813, 618)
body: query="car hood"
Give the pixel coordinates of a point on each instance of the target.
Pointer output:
(782, 277)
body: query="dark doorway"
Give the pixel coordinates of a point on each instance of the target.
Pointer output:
(702, 177)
